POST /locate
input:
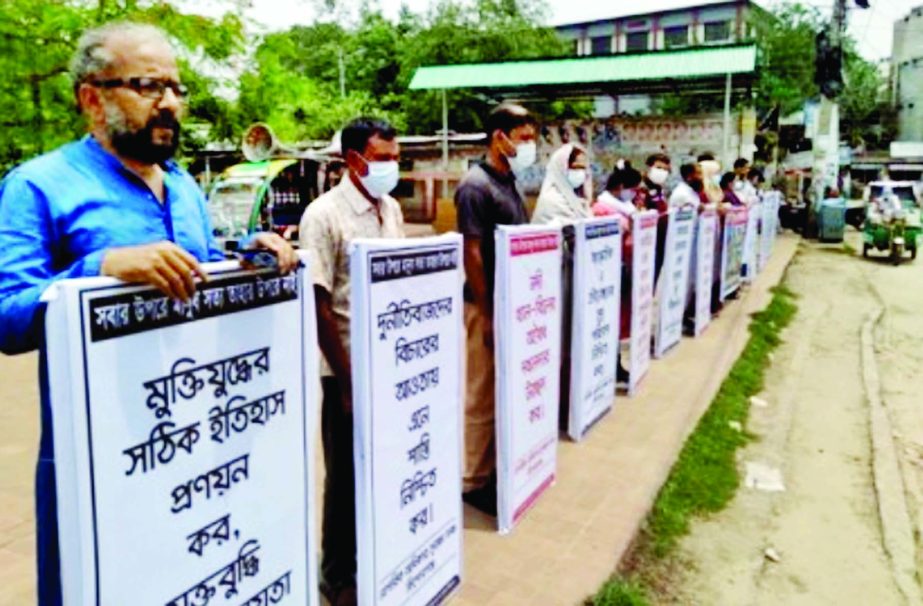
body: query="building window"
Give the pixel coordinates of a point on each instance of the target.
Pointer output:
(602, 45)
(637, 41)
(675, 37)
(719, 31)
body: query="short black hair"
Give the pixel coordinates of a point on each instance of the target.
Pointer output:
(757, 174)
(506, 117)
(631, 177)
(687, 170)
(574, 153)
(705, 157)
(614, 181)
(726, 179)
(658, 157)
(740, 163)
(356, 134)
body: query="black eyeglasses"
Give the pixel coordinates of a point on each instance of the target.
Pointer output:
(149, 88)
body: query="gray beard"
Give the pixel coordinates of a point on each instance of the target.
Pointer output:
(138, 144)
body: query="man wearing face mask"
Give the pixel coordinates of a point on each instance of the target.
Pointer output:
(487, 197)
(688, 192)
(655, 180)
(112, 203)
(358, 207)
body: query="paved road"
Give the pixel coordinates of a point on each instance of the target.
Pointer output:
(844, 426)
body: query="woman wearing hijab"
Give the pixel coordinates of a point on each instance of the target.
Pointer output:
(563, 201)
(563, 197)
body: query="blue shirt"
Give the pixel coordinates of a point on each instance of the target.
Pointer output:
(58, 215)
(61, 211)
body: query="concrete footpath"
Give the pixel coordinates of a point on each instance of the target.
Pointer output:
(571, 542)
(566, 547)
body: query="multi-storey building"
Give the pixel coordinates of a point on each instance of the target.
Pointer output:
(907, 69)
(708, 23)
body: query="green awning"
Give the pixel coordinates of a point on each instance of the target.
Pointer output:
(697, 63)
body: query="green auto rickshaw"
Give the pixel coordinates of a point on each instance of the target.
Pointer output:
(893, 220)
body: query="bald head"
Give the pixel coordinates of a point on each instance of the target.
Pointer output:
(104, 50)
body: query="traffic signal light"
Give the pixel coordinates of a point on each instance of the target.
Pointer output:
(828, 66)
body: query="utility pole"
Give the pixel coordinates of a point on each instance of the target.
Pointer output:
(826, 135)
(829, 78)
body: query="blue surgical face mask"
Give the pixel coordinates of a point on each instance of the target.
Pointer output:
(381, 179)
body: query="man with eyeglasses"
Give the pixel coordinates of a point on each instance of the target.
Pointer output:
(111, 204)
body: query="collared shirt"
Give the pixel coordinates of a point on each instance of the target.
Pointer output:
(329, 224)
(485, 199)
(684, 195)
(61, 211)
(58, 215)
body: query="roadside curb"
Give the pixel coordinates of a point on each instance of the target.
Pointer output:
(893, 512)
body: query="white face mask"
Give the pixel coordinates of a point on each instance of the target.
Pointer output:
(576, 177)
(627, 195)
(381, 178)
(524, 158)
(657, 175)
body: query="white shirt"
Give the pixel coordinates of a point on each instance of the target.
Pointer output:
(625, 208)
(684, 195)
(327, 227)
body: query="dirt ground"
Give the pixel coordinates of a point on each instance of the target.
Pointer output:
(843, 423)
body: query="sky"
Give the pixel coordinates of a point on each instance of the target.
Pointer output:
(872, 27)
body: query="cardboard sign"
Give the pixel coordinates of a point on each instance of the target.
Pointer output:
(705, 267)
(732, 250)
(406, 333)
(769, 226)
(184, 435)
(675, 279)
(644, 240)
(751, 241)
(595, 342)
(527, 327)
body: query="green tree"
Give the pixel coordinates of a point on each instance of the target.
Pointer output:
(37, 39)
(785, 46)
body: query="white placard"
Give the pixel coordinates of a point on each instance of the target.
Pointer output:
(751, 241)
(407, 344)
(644, 242)
(527, 329)
(674, 279)
(769, 226)
(184, 435)
(595, 343)
(705, 268)
(732, 250)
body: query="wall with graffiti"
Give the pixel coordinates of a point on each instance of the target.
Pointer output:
(633, 139)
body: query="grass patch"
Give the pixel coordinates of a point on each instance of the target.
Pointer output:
(705, 476)
(845, 249)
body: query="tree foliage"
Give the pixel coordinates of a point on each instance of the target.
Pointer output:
(379, 58)
(38, 38)
(785, 46)
(292, 79)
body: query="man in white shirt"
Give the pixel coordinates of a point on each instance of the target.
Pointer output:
(687, 192)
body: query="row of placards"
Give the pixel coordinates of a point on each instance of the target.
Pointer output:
(184, 432)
